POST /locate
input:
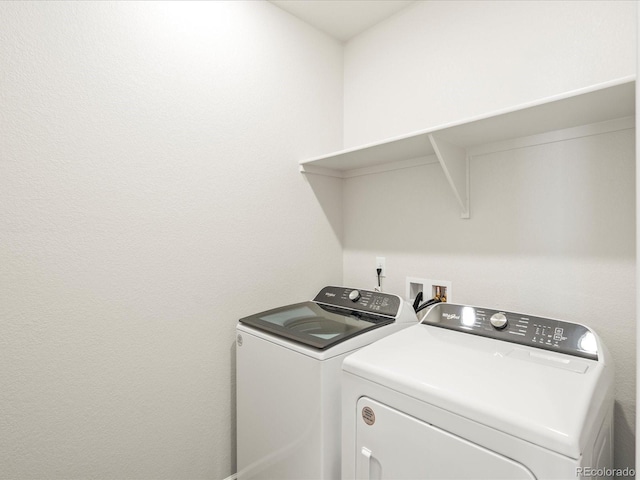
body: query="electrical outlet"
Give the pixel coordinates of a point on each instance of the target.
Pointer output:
(380, 263)
(429, 288)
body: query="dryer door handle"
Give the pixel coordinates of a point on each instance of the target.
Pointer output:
(366, 471)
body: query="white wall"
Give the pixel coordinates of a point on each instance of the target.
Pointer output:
(552, 228)
(441, 61)
(637, 231)
(148, 165)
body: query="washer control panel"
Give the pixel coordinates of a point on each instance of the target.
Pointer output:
(363, 300)
(545, 333)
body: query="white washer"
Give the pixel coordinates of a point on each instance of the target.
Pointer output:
(288, 371)
(474, 393)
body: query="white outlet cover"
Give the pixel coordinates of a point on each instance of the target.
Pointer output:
(381, 262)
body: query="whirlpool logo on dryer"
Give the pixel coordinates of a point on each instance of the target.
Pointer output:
(451, 316)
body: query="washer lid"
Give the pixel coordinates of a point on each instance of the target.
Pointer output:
(316, 325)
(550, 399)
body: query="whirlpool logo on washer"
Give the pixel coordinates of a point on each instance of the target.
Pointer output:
(451, 316)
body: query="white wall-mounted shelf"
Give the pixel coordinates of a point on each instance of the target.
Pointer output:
(603, 107)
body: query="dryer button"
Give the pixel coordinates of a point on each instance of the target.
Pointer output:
(499, 320)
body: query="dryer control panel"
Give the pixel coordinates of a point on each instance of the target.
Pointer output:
(545, 333)
(363, 300)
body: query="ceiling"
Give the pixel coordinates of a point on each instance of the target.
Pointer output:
(342, 19)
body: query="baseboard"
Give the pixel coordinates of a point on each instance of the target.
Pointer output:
(233, 476)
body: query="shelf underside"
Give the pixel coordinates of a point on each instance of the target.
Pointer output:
(599, 105)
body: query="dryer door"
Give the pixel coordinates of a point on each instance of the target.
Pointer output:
(393, 445)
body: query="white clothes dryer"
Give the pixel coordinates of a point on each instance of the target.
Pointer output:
(475, 393)
(288, 372)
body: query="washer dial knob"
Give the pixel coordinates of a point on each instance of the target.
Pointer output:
(354, 295)
(499, 320)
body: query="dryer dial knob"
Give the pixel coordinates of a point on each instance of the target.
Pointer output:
(499, 320)
(354, 295)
